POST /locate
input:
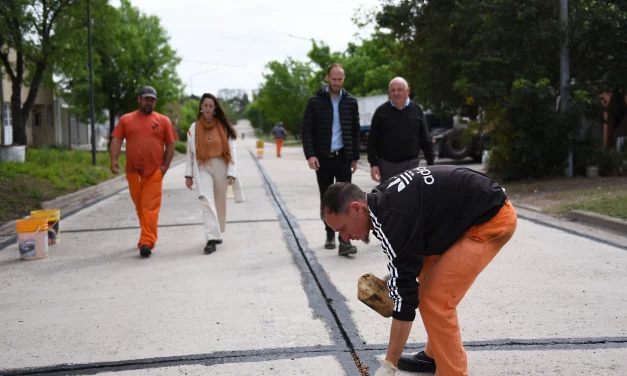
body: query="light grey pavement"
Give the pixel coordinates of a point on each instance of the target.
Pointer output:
(272, 301)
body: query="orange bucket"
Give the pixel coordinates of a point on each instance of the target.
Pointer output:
(32, 237)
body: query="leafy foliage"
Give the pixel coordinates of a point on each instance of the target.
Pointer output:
(531, 139)
(130, 50)
(188, 117)
(283, 96)
(28, 28)
(234, 102)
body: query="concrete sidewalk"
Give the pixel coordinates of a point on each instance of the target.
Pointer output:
(272, 301)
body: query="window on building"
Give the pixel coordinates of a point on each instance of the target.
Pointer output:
(50, 118)
(37, 118)
(7, 121)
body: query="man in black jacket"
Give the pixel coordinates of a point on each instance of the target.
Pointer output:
(397, 133)
(331, 140)
(439, 226)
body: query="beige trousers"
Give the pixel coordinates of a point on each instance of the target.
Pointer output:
(214, 185)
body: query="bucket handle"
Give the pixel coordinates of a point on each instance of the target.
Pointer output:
(32, 237)
(55, 223)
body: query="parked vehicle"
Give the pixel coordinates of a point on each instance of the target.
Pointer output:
(455, 140)
(458, 143)
(364, 131)
(367, 107)
(450, 140)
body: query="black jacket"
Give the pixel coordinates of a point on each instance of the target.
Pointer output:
(318, 122)
(397, 135)
(422, 212)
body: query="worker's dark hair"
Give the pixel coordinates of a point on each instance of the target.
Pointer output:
(338, 197)
(334, 65)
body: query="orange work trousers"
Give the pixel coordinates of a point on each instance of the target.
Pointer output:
(279, 145)
(146, 192)
(445, 279)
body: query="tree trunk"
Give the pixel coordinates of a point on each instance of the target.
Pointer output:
(616, 112)
(19, 123)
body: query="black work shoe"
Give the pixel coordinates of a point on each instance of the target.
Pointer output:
(218, 241)
(346, 248)
(145, 251)
(419, 362)
(330, 243)
(210, 247)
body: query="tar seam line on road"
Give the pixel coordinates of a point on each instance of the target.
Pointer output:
(221, 357)
(572, 232)
(160, 226)
(247, 356)
(587, 343)
(334, 300)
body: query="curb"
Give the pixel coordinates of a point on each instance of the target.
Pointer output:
(74, 202)
(599, 220)
(528, 207)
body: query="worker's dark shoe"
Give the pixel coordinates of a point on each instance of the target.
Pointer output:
(218, 241)
(330, 243)
(145, 251)
(346, 248)
(210, 247)
(419, 362)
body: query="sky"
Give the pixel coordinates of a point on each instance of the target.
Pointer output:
(227, 43)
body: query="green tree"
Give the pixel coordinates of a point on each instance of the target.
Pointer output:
(189, 114)
(132, 51)
(531, 137)
(472, 51)
(283, 95)
(73, 69)
(469, 52)
(236, 101)
(598, 40)
(257, 118)
(28, 28)
(369, 66)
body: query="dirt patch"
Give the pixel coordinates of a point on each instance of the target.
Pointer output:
(556, 195)
(21, 195)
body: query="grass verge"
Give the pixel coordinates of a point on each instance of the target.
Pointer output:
(558, 196)
(47, 174)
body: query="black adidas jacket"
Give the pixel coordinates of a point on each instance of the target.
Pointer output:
(422, 212)
(318, 125)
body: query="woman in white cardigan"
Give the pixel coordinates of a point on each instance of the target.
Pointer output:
(210, 166)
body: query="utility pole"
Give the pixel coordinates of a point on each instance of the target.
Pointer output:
(565, 74)
(1, 107)
(91, 89)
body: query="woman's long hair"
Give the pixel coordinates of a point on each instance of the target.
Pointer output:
(219, 113)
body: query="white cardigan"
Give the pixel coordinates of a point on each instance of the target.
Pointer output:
(191, 165)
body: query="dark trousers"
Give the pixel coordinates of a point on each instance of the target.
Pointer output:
(389, 169)
(332, 169)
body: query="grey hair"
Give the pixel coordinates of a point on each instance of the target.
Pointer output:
(399, 79)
